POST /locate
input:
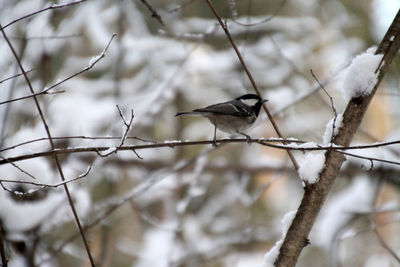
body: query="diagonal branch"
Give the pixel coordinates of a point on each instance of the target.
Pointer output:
(46, 90)
(51, 7)
(314, 196)
(252, 81)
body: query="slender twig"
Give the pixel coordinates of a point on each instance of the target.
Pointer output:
(386, 246)
(181, 6)
(92, 63)
(51, 7)
(42, 185)
(31, 95)
(154, 13)
(58, 164)
(47, 89)
(332, 105)
(14, 76)
(234, 18)
(19, 168)
(127, 124)
(250, 76)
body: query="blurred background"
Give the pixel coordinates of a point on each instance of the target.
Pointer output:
(191, 205)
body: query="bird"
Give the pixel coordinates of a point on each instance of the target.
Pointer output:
(234, 116)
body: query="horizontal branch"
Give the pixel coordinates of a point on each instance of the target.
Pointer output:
(172, 144)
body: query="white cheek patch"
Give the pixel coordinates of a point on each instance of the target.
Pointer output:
(249, 102)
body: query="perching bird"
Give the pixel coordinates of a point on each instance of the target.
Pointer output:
(233, 116)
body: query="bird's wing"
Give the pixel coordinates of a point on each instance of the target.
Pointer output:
(235, 108)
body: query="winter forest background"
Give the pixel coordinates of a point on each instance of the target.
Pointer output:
(187, 205)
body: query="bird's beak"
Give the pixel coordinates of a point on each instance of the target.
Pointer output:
(264, 100)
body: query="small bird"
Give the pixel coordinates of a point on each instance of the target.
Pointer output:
(233, 116)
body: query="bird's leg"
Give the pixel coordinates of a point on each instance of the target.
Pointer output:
(248, 138)
(215, 137)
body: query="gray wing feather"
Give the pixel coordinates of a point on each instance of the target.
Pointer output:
(228, 108)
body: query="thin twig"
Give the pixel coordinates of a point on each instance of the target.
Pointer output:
(250, 76)
(127, 124)
(14, 76)
(47, 89)
(42, 185)
(20, 169)
(386, 246)
(234, 18)
(332, 105)
(31, 95)
(154, 13)
(51, 7)
(181, 6)
(91, 65)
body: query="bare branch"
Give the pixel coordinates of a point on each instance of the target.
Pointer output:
(154, 13)
(51, 7)
(47, 89)
(14, 76)
(332, 105)
(21, 170)
(42, 185)
(92, 63)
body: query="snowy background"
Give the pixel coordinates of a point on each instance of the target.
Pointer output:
(192, 205)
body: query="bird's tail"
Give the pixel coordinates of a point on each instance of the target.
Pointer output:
(187, 113)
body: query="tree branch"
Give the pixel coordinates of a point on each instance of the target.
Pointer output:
(172, 144)
(315, 194)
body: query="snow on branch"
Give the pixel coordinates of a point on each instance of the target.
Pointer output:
(362, 75)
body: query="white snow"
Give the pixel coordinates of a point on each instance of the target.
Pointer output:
(17, 216)
(329, 128)
(311, 165)
(109, 151)
(272, 254)
(361, 75)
